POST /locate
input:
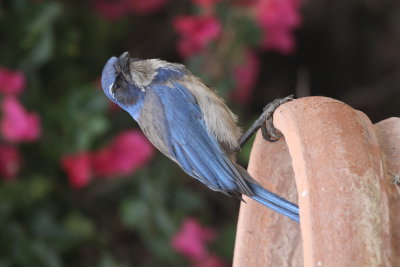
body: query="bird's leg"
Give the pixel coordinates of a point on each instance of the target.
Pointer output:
(269, 132)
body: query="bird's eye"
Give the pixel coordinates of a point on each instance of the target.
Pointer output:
(117, 85)
(123, 92)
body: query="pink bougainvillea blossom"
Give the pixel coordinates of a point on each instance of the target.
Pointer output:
(9, 162)
(146, 6)
(210, 261)
(11, 82)
(245, 76)
(78, 169)
(191, 239)
(278, 19)
(129, 151)
(196, 32)
(17, 125)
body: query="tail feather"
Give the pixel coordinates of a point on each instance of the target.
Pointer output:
(275, 202)
(269, 199)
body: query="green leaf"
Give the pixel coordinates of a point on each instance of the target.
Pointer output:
(79, 226)
(248, 31)
(39, 187)
(134, 213)
(225, 242)
(108, 261)
(38, 40)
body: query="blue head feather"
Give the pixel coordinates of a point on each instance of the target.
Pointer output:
(109, 77)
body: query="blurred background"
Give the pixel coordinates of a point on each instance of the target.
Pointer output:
(81, 186)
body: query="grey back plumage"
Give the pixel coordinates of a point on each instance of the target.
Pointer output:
(220, 121)
(153, 124)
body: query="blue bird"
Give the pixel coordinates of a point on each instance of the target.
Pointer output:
(187, 122)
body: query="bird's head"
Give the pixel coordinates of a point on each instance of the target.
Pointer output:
(123, 79)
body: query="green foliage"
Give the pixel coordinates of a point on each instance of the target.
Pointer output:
(61, 47)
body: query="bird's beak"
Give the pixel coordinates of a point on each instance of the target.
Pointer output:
(124, 56)
(124, 62)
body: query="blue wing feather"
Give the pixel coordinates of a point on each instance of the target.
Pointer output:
(197, 152)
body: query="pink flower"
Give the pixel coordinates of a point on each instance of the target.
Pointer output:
(191, 239)
(245, 76)
(11, 82)
(196, 33)
(17, 125)
(278, 19)
(210, 261)
(78, 169)
(279, 41)
(9, 162)
(129, 151)
(111, 10)
(146, 6)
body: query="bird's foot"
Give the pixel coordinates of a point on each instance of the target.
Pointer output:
(269, 132)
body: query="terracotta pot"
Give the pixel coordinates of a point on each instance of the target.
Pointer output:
(340, 167)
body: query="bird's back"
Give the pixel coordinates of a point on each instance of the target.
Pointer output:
(185, 128)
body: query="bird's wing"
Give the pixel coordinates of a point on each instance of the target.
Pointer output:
(175, 125)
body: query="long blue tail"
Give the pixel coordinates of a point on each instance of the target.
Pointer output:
(275, 202)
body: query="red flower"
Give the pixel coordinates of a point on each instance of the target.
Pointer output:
(78, 168)
(17, 125)
(210, 261)
(191, 239)
(245, 76)
(129, 151)
(146, 6)
(111, 10)
(9, 162)
(196, 33)
(278, 18)
(11, 82)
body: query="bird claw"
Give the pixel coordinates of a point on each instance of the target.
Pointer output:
(268, 130)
